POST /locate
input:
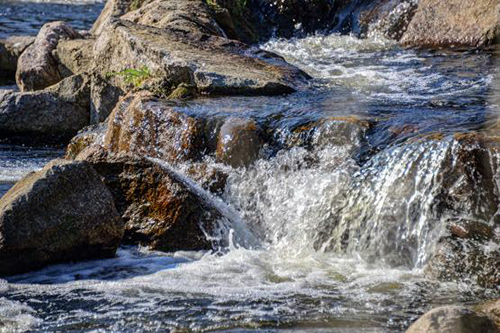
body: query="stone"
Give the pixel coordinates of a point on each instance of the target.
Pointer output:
(62, 213)
(10, 51)
(452, 319)
(492, 309)
(159, 209)
(454, 23)
(37, 68)
(89, 136)
(145, 126)
(59, 112)
(103, 99)
(112, 9)
(212, 64)
(75, 56)
(239, 142)
(389, 19)
(183, 16)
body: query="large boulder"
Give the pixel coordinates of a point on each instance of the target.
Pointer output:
(75, 56)
(58, 112)
(113, 9)
(10, 51)
(145, 126)
(159, 209)
(452, 319)
(214, 65)
(62, 213)
(37, 67)
(492, 309)
(185, 16)
(454, 23)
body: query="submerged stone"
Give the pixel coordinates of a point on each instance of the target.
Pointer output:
(239, 142)
(62, 213)
(452, 319)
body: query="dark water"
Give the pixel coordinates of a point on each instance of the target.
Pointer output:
(27, 17)
(284, 281)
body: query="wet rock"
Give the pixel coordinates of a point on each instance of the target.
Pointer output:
(183, 16)
(452, 23)
(212, 64)
(37, 68)
(239, 142)
(451, 319)
(87, 137)
(146, 126)
(10, 51)
(159, 210)
(388, 18)
(113, 9)
(75, 56)
(60, 111)
(210, 178)
(62, 213)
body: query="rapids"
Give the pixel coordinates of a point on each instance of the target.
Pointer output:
(284, 260)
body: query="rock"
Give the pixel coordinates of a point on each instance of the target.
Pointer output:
(453, 23)
(112, 9)
(491, 309)
(145, 126)
(210, 178)
(59, 112)
(214, 65)
(10, 51)
(388, 18)
(239, 142)
(87, 137)
(183, 16)
(62, 213)
(452, 319)
(103, 97)
(37, 68)
(75, 56)
(159, 210)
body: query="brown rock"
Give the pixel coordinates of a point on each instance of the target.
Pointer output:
(37, 68)
(62, 213)
(159, 210)
(452, 319)
(239, 142)
(454, 23)
(75, 56)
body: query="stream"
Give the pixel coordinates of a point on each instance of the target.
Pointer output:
(287, 264)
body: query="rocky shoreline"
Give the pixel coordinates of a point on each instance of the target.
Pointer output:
(114, 93)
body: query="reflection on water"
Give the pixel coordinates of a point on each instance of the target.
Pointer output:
(27, 17)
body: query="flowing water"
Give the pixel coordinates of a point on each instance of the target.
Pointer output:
(329, 230)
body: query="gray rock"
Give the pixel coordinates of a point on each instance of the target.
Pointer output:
(239, 142)
(89, 136)
(186, 16)
(10, 51)
(61, 110)
(452, 319)
(113, 9)
(212, 64)
(75, 56)
(62, 213)
(37, 68)
(103, 98)
(454, 23)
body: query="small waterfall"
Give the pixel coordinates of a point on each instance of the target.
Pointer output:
(232, 229)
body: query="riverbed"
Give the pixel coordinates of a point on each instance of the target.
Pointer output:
(282, 266)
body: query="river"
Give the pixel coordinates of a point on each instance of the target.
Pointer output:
(286, 265)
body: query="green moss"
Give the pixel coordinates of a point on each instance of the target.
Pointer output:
(182, 92)
(136, 77)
